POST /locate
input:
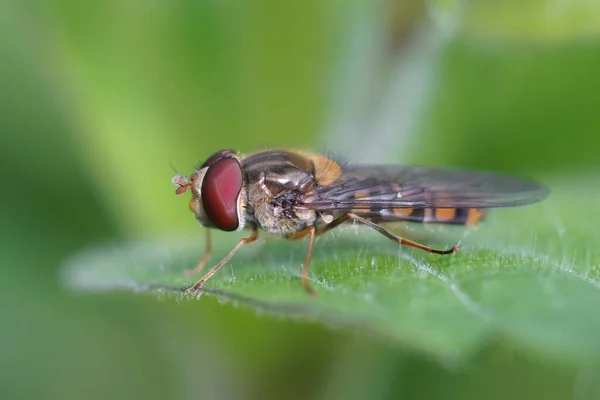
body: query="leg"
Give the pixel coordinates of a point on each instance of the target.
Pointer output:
(204, 259)
(312, 232)
(311, 240)
(214, 269)
(399, 240)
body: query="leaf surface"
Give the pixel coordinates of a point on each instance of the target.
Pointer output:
(527, 275)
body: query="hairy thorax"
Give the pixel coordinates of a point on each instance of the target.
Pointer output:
(276, 213)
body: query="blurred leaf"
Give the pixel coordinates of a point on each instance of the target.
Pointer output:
(529, 276)
(520, 20)
(513, 108)
(147, 84)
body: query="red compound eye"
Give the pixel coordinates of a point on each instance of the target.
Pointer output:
(227, 153)
(221, 188)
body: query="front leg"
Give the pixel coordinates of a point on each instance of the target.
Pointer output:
(214, 269)
(207, 253)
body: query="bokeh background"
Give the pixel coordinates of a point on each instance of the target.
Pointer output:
(99, 100)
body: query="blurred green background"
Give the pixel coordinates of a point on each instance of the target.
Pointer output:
(97, 100)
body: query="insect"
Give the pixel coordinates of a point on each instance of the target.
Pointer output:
(294, 195)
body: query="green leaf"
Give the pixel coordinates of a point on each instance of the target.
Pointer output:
(535, 21)
(528, 276)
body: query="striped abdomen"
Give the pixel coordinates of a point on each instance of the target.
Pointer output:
(460, 216)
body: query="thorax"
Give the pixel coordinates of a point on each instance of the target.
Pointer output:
(276, 182)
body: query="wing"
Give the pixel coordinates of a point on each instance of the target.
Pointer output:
(380, 187)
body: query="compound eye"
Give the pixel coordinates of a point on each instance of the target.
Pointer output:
(221, 188)
(218, 156)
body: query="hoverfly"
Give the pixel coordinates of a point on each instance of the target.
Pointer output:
(294, 195)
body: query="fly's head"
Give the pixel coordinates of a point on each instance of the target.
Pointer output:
(218, 193)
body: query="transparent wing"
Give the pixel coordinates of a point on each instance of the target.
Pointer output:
(381, 187)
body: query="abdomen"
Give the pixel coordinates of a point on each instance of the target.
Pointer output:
(456, 216)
